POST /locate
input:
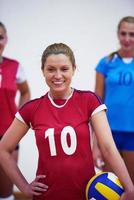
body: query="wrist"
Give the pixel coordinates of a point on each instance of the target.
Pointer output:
(129, 189)
(26, 190)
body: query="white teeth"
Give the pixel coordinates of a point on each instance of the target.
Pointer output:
(58, 82)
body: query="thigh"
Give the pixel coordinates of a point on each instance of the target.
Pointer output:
(128, 157)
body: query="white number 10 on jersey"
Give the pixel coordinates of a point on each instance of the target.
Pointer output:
(68, 149)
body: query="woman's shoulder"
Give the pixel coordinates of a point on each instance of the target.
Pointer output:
(112, 57)
(86, 94)
(33, 104)
(10, 60)
(27, 112)
(106, 62)
(87, 99)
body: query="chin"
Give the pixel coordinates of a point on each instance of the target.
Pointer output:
(59, 90)
(127, 49)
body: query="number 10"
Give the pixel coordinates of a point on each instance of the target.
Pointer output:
(68, 130)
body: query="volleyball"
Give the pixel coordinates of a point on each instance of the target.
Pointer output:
(104, 186)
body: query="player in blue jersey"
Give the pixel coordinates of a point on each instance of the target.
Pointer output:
(115, 85)
(60, 120)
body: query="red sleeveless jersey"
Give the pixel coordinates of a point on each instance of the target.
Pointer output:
(63, 140)
(8, 87)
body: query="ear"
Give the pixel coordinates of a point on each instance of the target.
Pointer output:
(74, 68)
(43, 72)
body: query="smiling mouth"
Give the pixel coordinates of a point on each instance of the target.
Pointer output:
(58, 82)
(126, 45)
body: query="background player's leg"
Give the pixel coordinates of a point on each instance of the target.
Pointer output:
(6, 186)
(128, 157)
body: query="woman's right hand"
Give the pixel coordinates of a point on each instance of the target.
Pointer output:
(36, 187)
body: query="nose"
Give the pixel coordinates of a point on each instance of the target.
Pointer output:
(127, 37)
(58, 74)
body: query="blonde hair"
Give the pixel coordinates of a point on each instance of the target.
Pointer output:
(58, 48)
(129, 19)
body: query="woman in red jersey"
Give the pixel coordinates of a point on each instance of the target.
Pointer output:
(12, 79)
(60, 120)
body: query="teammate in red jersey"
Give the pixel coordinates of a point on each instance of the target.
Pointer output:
(12, 79)
(61, 120)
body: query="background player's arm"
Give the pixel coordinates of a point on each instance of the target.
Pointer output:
(110, 152)
(99, 85)
(24, 93)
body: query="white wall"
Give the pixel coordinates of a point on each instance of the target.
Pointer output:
(88, 26)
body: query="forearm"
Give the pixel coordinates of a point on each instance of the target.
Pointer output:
(97, 154)
(11, 169)
(117, 164)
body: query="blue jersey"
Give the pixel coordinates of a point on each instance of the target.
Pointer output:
(119, 91)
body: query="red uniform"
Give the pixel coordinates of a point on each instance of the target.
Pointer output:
(10, 74)
(63, 141)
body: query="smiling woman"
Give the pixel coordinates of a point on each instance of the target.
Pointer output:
(58, 72)
(12, 80)
(60, 120)
(115, 85)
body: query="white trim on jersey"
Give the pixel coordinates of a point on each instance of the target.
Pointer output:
(20, 76)
(18, 116)
(98, 109)
(60, 106)
(127, 60)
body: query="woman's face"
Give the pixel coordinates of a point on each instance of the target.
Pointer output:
(58, 71)
(126, 36)
(3, 40)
